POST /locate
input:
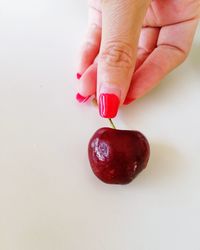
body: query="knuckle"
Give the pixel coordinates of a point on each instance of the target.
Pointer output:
(117, 54)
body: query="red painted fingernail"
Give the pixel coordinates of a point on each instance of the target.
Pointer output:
(78, 75)
(108, 105)
(81, 98)
(128, 100)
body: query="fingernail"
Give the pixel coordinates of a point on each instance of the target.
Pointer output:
(78, 76)
(108, 105)
(81, 98)
(128, 100)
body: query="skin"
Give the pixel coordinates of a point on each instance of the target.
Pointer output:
(131, 45)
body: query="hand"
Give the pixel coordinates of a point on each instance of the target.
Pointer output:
(130, 46)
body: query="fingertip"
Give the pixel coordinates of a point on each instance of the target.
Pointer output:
(108, 105)
(87, 82)
(81, 99)
(109, 100)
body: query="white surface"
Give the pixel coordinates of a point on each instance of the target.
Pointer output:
(49, 198)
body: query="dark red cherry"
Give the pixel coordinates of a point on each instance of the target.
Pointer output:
(118, 156)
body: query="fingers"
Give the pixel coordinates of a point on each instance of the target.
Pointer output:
(173, 45)
(91, 44)
(147, 43)
(87, 84)
(121, 25)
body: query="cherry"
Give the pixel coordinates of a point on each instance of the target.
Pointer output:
(118, 156)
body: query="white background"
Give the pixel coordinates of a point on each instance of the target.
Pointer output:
(49, 198)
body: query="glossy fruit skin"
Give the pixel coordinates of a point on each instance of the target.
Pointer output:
(118, 156)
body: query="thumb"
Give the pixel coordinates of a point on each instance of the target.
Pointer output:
(121, 25)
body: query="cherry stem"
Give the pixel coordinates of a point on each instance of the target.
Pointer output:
(112, 124)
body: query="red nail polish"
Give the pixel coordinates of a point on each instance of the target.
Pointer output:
(128, 100)
(108, 105)
(78, 75)
(81, 98)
